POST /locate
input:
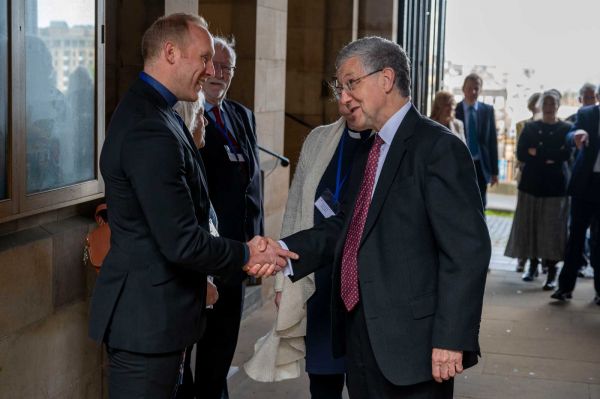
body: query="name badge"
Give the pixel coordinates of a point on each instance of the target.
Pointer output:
(233, 157)
(327, 205)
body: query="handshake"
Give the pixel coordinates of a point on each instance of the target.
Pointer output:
(267, 257)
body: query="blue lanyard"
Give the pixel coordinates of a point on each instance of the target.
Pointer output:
(223, 131)
(339, 181)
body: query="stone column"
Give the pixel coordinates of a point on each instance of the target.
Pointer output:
(260, 30)
(378, 18)
(317, 31)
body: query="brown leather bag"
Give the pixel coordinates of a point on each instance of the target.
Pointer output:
(97, 242)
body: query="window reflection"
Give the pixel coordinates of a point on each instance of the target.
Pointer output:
(3, 99)
(60, 60)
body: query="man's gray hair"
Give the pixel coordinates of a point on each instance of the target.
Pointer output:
(228, 44)
(377, 53)
(587, 87)
(188, 111)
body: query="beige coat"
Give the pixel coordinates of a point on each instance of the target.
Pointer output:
(279, 355)
(458, 128)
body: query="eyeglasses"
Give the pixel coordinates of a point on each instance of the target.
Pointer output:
(350, 85)
(224, 68)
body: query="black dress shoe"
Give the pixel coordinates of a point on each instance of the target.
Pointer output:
(561, 295)
(597, 300)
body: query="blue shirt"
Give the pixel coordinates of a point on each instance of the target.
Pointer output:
(160, 88)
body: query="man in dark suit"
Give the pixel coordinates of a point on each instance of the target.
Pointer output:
(587, 96)
(148, 302)
(233, 176)
(480, 132)
(410, 247)
(584, 189)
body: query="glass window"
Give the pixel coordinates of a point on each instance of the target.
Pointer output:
(3, 99)
(60, 110)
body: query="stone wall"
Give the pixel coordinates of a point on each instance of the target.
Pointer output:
(260, 29)
(44, 299)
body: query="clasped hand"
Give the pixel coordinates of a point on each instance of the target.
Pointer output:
(266, 257)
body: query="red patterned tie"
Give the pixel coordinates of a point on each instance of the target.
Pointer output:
(349, 284)
(217, 112)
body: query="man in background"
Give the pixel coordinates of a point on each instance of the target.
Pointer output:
(584, 189)
(233, 177)
(480, 131)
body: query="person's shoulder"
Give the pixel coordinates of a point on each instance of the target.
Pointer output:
(587, 110)
(565, 125)
(239, 107)
(458, 124)
(485, 106)
(427, 130)
(322, 131)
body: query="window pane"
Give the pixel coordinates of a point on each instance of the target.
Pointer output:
(3, 99)
(59, 93)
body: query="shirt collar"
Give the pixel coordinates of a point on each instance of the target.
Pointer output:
(208, 106)
(466, 106)
(160, 88)
(389, 129)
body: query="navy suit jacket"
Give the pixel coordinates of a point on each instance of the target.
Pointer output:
(487, 137)
(580, 184)
(151, 291)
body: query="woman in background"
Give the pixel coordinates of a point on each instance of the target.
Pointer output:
(533, 105)
(443, 113)
(539, 228)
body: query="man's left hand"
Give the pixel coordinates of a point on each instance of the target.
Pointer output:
(445, 364)
(494, 180)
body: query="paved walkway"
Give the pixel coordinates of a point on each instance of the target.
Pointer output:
(532, 347)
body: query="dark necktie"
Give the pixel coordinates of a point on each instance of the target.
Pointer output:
(349, 275)
(217, 113)
(472, 132)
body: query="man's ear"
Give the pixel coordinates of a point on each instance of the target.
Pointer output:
(389, 78)
(170, 52)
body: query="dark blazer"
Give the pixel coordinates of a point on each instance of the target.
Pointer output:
(540, 178)
(580, 185)
(236, 192)
(150, 294)
(487, 139)
(423, 256)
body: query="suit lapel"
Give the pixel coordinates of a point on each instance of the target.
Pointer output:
(595, 122)
(186, 137)
(390, 167)
(481, 117)
(240, 135)
(460, 112)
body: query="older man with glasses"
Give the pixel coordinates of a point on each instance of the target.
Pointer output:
(410, 246)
